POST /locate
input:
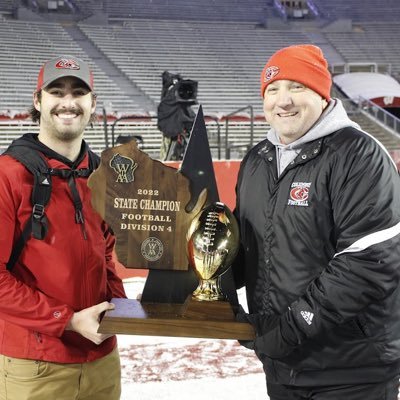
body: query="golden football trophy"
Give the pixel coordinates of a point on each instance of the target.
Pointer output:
(145, 202)
(213, 242)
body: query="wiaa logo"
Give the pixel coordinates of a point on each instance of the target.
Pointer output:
(124, 167)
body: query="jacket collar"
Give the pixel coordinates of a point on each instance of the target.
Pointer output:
(32, 141)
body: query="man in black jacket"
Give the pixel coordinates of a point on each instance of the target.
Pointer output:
(320, 237)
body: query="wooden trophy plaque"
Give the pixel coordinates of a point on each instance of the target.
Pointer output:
(146, 203)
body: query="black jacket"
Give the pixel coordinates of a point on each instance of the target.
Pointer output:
(322, 242)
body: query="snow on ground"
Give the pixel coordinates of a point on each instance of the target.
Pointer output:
(166, 368)
(170, 368)
(249, 387)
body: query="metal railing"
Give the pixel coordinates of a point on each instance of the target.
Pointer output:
(350, 106)
(218, 146)
(229, 146)
(128, 117)
(346, 68)
(313, 8)
(281, 9)
(381, 115)
(149, 117)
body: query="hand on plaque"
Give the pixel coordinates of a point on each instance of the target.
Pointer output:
(86, 322)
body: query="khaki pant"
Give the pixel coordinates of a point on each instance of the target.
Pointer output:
(22, 379)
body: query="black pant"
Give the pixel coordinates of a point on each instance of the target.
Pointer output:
(388, 390)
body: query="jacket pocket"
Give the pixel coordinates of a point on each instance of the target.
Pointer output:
(356, 327)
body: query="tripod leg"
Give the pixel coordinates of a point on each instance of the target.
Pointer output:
(165, 148)
(171, 150)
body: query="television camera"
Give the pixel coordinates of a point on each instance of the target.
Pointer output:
(174, 114)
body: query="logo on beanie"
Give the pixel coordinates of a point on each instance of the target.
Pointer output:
(64, 63)
(271, 72)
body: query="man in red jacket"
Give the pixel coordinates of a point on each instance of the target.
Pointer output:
(52, 299)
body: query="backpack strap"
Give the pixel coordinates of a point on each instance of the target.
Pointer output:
(70, 175)
(94, 160)
(41, 191)
(37, 225)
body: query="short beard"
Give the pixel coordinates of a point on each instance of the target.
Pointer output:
(67, 136)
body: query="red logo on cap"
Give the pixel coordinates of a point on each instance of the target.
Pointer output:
(270, 72)
(67, 64)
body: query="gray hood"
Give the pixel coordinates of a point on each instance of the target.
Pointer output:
(332, 119)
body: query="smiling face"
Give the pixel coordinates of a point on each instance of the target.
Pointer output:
(65, 108)
(291, 109)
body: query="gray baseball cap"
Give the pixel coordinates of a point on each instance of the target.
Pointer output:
(64, 66)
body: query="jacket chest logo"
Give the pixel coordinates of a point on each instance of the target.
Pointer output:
(298, 195)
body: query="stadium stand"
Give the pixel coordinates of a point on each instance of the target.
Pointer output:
(224, 58)
(369, 43)
(359, 10)
(221, 44)
(7, 7)
(24, 47)
(207, 10)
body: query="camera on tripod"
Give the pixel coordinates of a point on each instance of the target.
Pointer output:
(184, 90)
(174, 115)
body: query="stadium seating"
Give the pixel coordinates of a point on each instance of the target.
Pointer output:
(224, 58)
(359, 10)
(370, 42)
(222, 45)
(7, 7)
(210, 10)
(23, 48)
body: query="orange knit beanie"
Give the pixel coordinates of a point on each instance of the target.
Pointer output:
(303, 63)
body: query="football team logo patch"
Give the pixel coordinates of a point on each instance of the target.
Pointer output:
(299, 192)
(271, 72)
(64, 63)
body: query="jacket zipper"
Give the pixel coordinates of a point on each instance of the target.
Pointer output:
(80, 220)
(292, 377)
(38, 337)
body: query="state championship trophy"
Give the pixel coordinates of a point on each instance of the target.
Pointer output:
(165, 220)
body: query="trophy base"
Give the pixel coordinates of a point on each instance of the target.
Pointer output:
(218, 310)
(130, 317)
(208, 290)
